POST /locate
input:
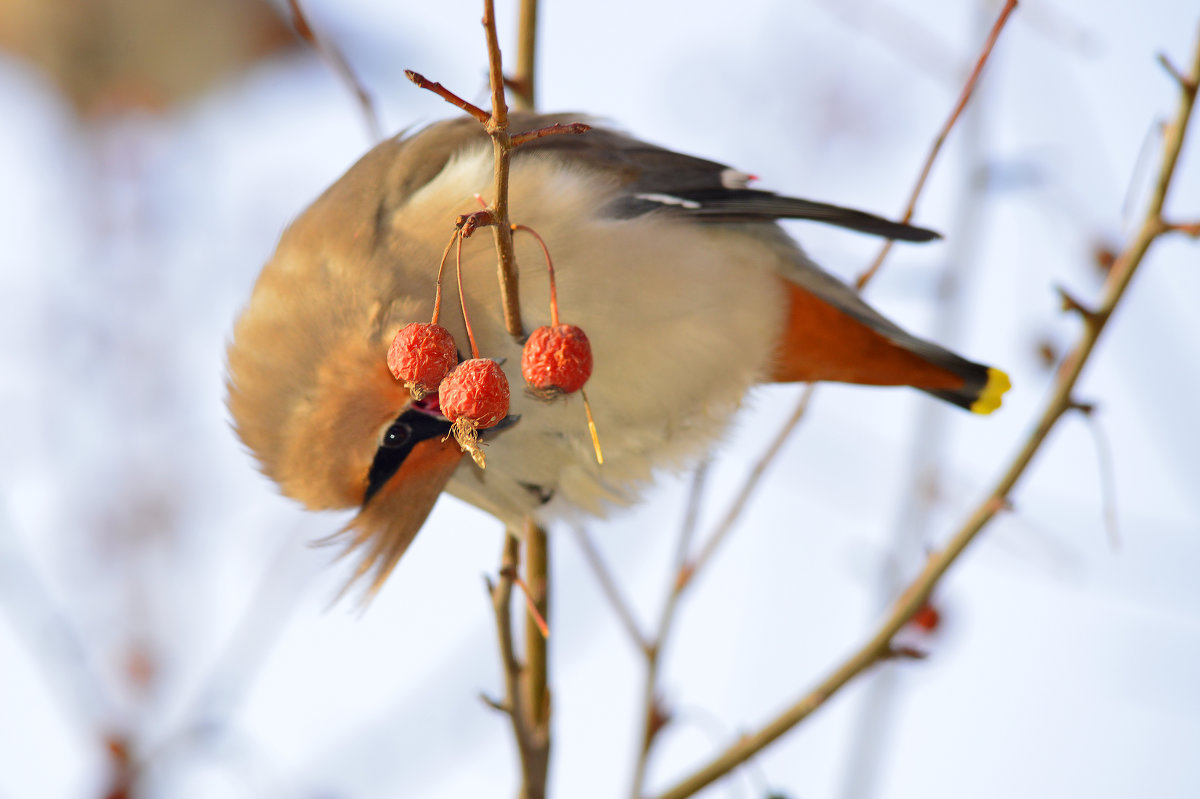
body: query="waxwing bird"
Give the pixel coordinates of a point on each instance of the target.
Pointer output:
(687, 288)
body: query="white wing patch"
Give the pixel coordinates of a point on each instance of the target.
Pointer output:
(667, 199)
(733, 179)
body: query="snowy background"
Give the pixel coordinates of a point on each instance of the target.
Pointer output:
(157, 595)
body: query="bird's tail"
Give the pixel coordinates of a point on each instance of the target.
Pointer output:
(831, 334)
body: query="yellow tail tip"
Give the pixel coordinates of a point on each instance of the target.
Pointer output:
(992, 393)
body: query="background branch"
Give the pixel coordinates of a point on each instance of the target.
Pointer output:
(736, 508)
(532, 787)
(1060, 401)
(535, 677)
(968, 90)
(522, 82)
(340, 66)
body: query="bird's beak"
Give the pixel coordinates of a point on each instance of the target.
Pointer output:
(391, 518)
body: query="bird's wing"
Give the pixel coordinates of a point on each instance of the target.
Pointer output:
(832, 334)
(649, 178)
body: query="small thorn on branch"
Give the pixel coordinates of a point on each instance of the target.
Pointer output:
(1086, 408)
(660, 717)
(469, 223)
(558, 128)
(1186, 228)
(998, 504)
(447, 95)
(519, 86)
(1069, 303)
(903, 652)
(972, 81)
(1184, 82)
(303, 29)
(495, 704)
(534, 614)
(683, 577)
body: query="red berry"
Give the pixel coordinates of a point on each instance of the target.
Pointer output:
(475, 392)
(557, 359)
(422, 355)
(926, 618)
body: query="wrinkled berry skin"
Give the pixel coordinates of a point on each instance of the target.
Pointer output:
(476, 391)
(422, 355)
(557, 359)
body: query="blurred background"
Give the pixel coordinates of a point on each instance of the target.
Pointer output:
(167, 630)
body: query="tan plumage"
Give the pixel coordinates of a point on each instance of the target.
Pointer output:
(684, 285)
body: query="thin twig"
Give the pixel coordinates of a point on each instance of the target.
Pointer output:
(1186, 228)
(534, 685)
(503, 143)
(899, 30)
(522, 82)
(1060, 401)
(337, 62)
(751, 483)
(531, 604)
(653, 718)
(752, 480)
(1141, 163)
(557, 129)
(537, 667)
(609, 586)
(1173, 70)
(967, 91)
(684, 568)
(879, 703)
(497, 128)
(514, 704)
(423, 82)
(1108, 476)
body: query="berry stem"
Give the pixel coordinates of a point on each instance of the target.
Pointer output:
(437, 296)
(462, 300)
(534, 614)
(549, 268)
(587, 408)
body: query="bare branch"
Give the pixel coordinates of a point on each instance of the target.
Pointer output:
(609, 586)
(1174, 72)
(1070, 303)
(655, 716)
(1108, 477)
(497, 128)
(447, 95)
(337, 62)
(571, 128)
(513, 704)
(748, 488)
(1059, 402)
(967, 91)
(537, 693)
(522, 82)
(1186, 228)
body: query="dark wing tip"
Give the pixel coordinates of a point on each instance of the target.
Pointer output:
(917, 234)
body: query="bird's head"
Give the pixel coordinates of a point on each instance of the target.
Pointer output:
(311, 395)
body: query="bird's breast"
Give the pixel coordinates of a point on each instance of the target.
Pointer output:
(682, 318)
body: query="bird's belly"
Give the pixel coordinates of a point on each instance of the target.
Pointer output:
(682, 320)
